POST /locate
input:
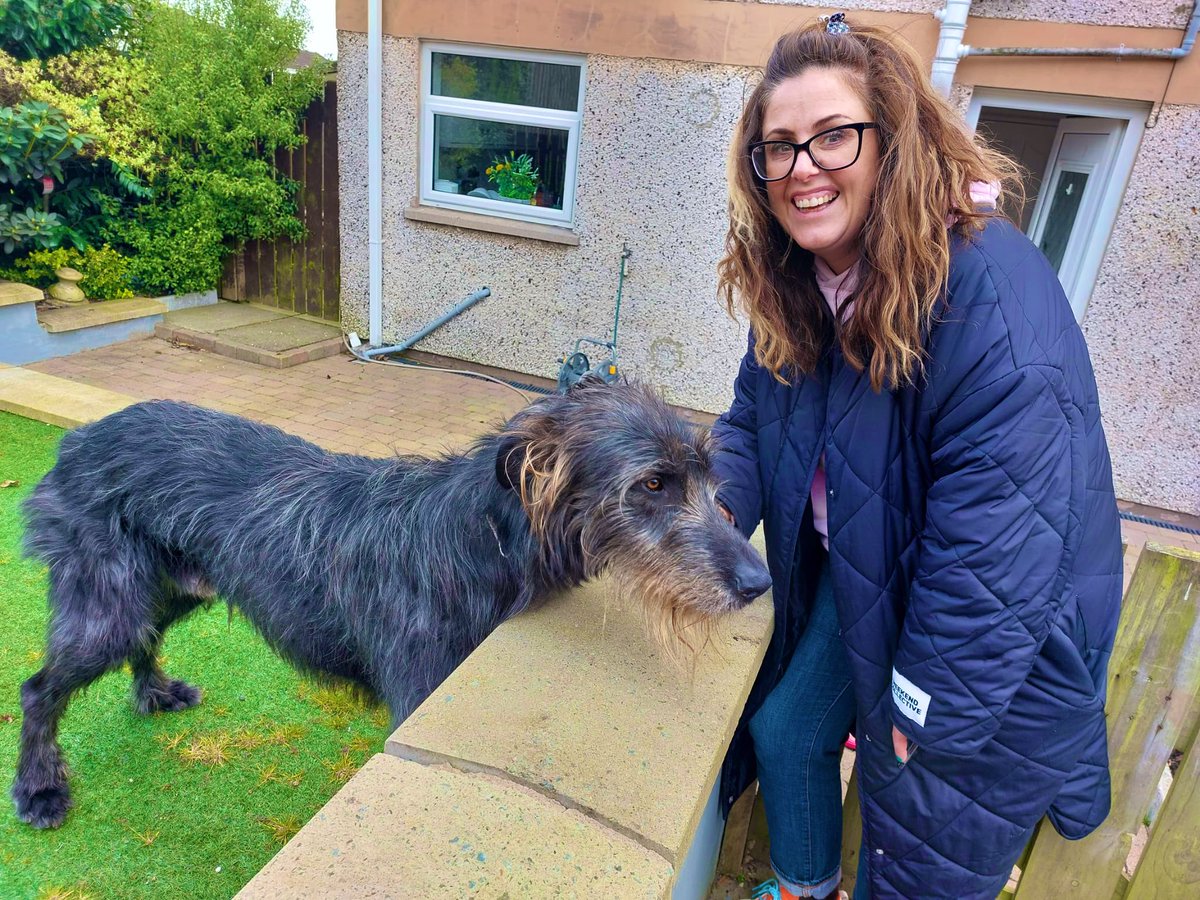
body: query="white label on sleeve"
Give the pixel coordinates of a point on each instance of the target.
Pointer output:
(910, 699)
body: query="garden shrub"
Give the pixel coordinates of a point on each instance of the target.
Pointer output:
(105, 271)
(177, 122)
(36, 146)
(38, 29)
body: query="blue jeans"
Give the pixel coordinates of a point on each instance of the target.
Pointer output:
(798, 736)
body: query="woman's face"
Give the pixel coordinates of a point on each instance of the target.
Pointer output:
(832, 205)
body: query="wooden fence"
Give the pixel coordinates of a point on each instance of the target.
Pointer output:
(1153, 710)
(301, 276)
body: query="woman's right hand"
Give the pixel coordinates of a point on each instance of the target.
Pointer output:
(726, 513)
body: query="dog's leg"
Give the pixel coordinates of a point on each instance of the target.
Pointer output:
(40, 790)
(99, 616)
(154, 690)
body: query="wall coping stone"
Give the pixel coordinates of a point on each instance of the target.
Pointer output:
(57, 401)
(575, 701)
(402, 829)
(14, 292)
(90, 315)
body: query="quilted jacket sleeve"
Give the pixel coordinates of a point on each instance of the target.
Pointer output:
(736, 459)
(991, 570)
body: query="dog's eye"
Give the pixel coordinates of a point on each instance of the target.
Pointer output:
(653, 485)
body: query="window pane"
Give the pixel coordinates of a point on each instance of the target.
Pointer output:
(1064, 208)
(517, 81)
(464, 150)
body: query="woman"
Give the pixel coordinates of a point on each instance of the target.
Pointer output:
(916, 424)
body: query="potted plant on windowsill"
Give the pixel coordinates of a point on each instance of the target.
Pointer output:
(514, 176)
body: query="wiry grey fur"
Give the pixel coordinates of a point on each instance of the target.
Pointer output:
(384, 572)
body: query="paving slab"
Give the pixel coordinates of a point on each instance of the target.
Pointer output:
(641, 743)
(57, 401)
(277, 335)
(399, 829)
(223, 315)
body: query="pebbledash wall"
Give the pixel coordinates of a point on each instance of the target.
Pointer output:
(665, 83)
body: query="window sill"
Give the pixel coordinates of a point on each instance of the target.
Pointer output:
(494, 224)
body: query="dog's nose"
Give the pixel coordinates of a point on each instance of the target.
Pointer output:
(751, 579)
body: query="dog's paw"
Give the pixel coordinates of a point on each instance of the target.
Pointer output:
(45, 808)
(173, 696)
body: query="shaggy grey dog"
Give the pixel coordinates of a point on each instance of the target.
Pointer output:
(383, 572)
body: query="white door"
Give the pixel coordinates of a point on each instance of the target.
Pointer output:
(1064, 223)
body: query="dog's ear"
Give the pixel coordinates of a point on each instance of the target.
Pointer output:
(530, 460)
(510, 456)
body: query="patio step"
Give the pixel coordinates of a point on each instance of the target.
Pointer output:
(253, 333)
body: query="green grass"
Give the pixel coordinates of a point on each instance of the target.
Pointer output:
(187, 804)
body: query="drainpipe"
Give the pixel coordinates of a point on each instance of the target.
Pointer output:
(375, 171)
(1189, 40)
(482, 294)
(953, 17)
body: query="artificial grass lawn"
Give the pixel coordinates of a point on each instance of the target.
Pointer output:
(187, 804)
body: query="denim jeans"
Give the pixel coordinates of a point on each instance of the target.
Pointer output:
(798, 736)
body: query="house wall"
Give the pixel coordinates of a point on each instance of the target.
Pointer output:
(670, 207)
(1143, 322)
(651, 173)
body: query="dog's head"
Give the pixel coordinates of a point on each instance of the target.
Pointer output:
(613, 480)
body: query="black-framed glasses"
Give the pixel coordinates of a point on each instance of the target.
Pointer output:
(832, 149)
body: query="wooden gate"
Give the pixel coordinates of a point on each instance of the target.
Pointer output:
(301, 276)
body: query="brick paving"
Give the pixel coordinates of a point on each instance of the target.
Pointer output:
(339, 403)
(352, 407)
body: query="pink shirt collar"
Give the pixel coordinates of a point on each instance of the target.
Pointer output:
(837, 289)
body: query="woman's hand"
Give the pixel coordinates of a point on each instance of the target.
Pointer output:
(726, 513)
(900, 745)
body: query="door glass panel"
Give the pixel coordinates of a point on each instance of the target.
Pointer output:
(1064, 207)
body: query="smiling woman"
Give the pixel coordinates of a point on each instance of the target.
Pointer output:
(916, 424)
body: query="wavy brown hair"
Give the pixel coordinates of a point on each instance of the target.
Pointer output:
(927, 163)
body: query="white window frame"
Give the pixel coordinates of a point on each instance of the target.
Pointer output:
(565, 120)
(1132, 112)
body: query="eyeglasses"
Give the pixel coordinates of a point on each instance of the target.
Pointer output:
(832, 149)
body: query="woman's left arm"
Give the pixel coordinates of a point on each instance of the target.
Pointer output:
(989, 584)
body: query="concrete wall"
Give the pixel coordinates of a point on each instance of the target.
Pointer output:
(1143, 322)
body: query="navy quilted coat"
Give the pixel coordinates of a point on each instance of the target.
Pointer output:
(976, 558)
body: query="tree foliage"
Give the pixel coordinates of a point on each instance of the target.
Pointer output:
(180, 114)
(39, 29)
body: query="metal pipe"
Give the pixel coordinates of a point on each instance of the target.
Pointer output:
(437, 323)
(953, 17)
(1189, 40)
(375, 170)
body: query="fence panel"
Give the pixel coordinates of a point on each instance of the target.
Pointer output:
(1153, 681)
(301, 276)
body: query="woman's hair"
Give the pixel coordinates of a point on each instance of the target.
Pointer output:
(927, 163)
